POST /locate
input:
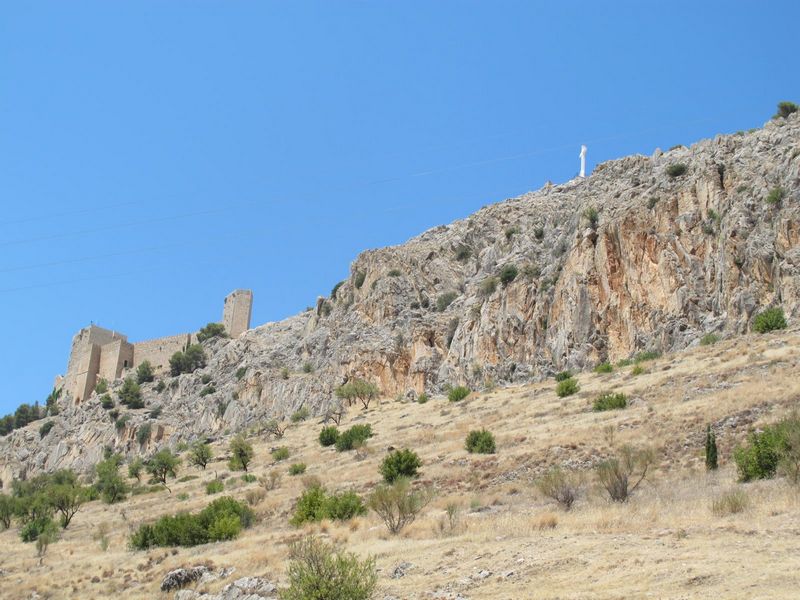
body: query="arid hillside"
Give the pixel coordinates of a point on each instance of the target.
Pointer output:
(502, 539)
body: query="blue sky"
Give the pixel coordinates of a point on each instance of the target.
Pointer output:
(155, 155)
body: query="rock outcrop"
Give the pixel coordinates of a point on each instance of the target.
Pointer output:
(638, 256)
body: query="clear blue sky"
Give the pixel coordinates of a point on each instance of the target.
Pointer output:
(155, 155)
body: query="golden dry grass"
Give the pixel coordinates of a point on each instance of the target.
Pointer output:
(666, 542)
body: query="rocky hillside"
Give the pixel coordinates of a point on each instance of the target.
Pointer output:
(648, 253)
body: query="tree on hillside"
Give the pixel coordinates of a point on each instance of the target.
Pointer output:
(358, 390)
(211, 330)
(200, 455)
(67, 500)
(711, 449)
(241, 453)
(162, 465)
(144, 372)
(110, 484)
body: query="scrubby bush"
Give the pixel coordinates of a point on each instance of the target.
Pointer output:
(591, 215)
(637, 370)
(646, 355)
(353, 437)
(106, 402)
(241, 454)
(445, 300)
(223, 519)
(760, 457)
(320, 571)
(211, 330)
(130, 394)
(508, 274)
(561, 376)
(160, 386)
(297, 469)
(622, 475)
(358, 279)
(768, 320)
(422, 398)
(398, 504)
(458, 393)
(709, 339)
(162, 466)
(109, 483)
(143, 434)
(214, 487)
(280, 454)
(328, 435)
(609, 401)
(144, 372)
(775, 195)
(729, 503)
(480, 441)
(604, 367)
(240, 372)
(101, 387)
(316, 504)
(135, 468)
(785, 109)
(560, 486)
(300, 415)
(188, 361)
(45, 428)
(200, 454)
(567, 387)
(676, 170)
(400, 463)
(488, 286)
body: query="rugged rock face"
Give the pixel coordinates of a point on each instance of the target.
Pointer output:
(630, 258)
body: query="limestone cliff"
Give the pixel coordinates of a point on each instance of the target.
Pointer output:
(636, 256)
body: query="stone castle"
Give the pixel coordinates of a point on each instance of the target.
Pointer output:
(99, 353)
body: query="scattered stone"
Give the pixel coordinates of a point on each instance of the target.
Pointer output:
(174, 580)
(401, 570)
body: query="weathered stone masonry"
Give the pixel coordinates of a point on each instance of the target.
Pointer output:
(99, 353)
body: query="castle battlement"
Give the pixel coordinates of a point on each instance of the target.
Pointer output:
(99, 353)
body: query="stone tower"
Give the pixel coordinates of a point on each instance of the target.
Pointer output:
(236, 312)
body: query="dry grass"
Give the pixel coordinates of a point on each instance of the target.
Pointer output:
(668, 541)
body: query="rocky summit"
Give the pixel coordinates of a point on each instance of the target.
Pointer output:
(647, 253)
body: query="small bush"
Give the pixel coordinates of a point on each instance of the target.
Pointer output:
(422, 398)
(101, 387)
(445, 300)
(284, 373)
(300, 415)
(308, 367)
(45, 429)
(160, 386)
(280, 454)
(297, 469)
(143, 434)
(358, 279)
(240, 372)
(559, 486)
(315, 504)
(241, 454)
(130, 394)
(617, 474)
(709, 339)
(638, 370)
(106, 402)
(591, 215)
(480, 442)
(609, 401)
(399, 504)
(458, 393)
(563, 375)
(328, 436)
(188, 361)
(144, 372)
(463, 253)
(567, 387)
(647, 355)
(508, 274)
(211, 330)
(255, 497)
(676, 170)
(319, 571)
(353, 437)
(768, 320)
(759, 459)
(729, 503)
(400, 463)
(785, 109)
(776, 195)
(488, 286)
(604, 367)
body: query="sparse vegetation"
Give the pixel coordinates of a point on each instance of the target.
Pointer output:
(609, 401)
(211, 330)
(400, 463)
(730, 503)
(458, 393)
(300, 414)
(508, 274)
(422, 398)
(316, 504)
(488, 286)
(560, 486)
(358, 279)
(241, 454)
(101, 387)
(771, 319)
(280, 454)
(214, 487)
(241, 372)
(567, 387)
(676, 170)
(445, 300)
(561, 376)
(785, 109)
(709, 339)
(480, 441)
(297, 468)
(604, 367)
(398, 504)
(623, 474)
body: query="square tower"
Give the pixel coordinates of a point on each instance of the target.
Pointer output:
(236, 312)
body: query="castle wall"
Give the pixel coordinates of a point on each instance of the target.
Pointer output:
(237, 311)
(115, 357)
(84, 360)
(160, 350)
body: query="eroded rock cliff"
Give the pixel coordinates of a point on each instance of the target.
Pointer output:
(637, 256)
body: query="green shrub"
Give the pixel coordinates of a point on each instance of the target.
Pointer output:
(316, 504)
(211, 330)
(328, 435)
(398, 504)
(240, 372)
(335, 290)
(458, 393)
(193, 358)
(709, 339)
(297, 469)
(214, 487)
(308, 367)
(144, 372)
(591, 215)
(567, 387)
(604, 367)
(300, 415)
(560, 486)
(647, 355)
(108, 482)
(480, 442)
(463, 253)
(161, 466)
(319, 571)
(200, 454)
(101, 387)
(358, 390)
(637, 370)
(563, 375)
(776, 195)
(45, 428)
(422, 398)
(609, 401)
(508, 274)
(30, 531)
(711, 449)
(445, 300)
(488, 286)
(121, 422)
(353, 437)
(130, 394)
(280, 454)
(249, 478)
(135, 468)
(106, 402)
(160, 386)
(785, 109)
(400, 463)
(241, 454)
(359, 278)
(768, 320)
(676, 170)
(759, 459)
(143, 434)
(223, 519)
